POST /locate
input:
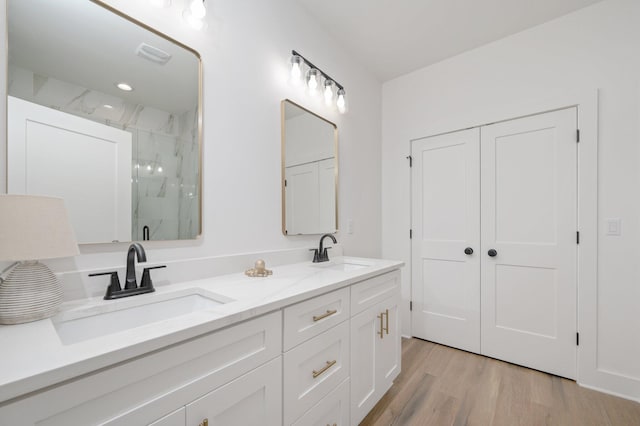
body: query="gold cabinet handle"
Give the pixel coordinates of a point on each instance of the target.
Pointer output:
(386, 314)
(323, 369)
(205, 422)
(381, 332)
(326, 314)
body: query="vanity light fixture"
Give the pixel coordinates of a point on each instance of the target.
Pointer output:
(107, 106)
(194, 14)
(124, 87)
(314, 79)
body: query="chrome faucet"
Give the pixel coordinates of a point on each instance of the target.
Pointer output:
(320, 254)
(135, 249)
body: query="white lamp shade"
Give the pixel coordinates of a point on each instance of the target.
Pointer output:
(34, 228)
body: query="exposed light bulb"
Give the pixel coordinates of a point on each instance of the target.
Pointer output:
(159, 169)
(197, 9)
(313, 77)
(341, 103)
(328, 91)
(296, 69)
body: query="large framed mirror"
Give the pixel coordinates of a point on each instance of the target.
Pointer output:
(104, 112)
(309, 172)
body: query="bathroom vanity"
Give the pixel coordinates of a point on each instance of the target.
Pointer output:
(312, 344)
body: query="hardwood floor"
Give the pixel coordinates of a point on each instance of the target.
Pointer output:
(443, 386)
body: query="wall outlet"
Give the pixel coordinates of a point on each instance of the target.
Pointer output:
(350, 226)
(613, 226)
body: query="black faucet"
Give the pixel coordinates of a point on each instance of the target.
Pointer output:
(114, 291)
(320, 254)
(135, 249)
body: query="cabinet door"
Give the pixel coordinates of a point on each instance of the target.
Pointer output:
(253, 399)
(364, 332)
(388, 347)
(375, 355)
(177, 418)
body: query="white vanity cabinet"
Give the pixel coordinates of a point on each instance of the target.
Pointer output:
(323, 361)
(375, 342)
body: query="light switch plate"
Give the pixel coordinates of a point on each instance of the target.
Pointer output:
(350, 226)
(614, 226)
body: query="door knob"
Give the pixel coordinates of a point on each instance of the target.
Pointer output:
(492, 253)
(468, 250)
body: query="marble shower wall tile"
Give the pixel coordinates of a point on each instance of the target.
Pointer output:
(166, 153)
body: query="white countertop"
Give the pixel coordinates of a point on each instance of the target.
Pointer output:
(32, 356)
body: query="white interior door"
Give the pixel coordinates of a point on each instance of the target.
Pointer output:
(88, 164)
(528, 213)
(301, 197)
(446, 222)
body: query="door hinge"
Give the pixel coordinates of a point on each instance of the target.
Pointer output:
(578, 237)
(411, 305)
(410, 234)
(577, 339)
(285, 182)
(577, 135)
(410, 158)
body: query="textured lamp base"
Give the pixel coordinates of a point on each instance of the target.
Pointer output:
(30, 292)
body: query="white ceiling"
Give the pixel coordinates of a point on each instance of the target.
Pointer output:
(393, 38)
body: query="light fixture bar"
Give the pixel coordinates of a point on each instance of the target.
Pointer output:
(324, 74)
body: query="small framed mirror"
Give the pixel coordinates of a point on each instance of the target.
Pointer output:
(309, 172)
(104, 112)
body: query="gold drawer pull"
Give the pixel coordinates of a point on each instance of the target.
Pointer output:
(323, 369)
(381, 332)
(326, 314)
(386, 328)
(205, 422)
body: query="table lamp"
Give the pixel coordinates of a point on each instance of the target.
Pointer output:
(32, 228)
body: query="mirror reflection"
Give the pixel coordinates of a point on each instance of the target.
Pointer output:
(104, 113)
(309, 172)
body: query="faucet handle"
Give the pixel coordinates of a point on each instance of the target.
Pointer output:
(316, 255)
(325, 255)
(146, 276)
(114, 284)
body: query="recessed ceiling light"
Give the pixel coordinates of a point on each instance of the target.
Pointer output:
(107, 106)
(124, 86)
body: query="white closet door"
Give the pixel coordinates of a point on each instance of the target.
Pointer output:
(529, 219)
(302, 199)
(87, 163)
(446, 221)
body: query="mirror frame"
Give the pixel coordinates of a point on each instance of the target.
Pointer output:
(199, 114)
(283, 162)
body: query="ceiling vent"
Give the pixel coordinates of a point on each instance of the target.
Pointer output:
(153, 54)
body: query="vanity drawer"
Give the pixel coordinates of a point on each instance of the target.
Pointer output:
(373, 291)
(311, 317)
(332, 410)
(314, 369)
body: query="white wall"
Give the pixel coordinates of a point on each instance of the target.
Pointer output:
(597, 47)
(245, 53)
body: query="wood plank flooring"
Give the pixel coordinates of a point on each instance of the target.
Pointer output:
(443, 386)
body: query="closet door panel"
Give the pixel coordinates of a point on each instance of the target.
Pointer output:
(529, 223)
(446, 222)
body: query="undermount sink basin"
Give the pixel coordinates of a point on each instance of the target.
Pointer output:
(345, 265)
(112, 317)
